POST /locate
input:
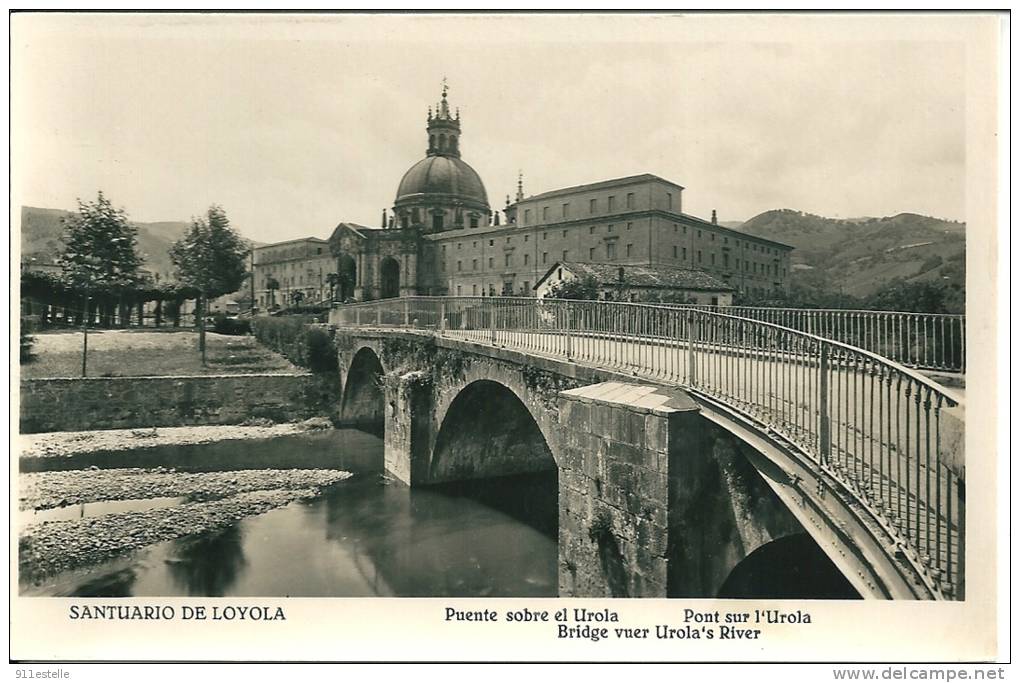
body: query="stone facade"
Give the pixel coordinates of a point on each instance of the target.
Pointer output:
(55, 405)
(654, 500)
(301, 265)
(614, 490)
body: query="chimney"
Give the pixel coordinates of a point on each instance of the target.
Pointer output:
(714, 221)
(384, 218)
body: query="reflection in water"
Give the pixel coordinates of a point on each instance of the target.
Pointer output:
(207, 564)
(115, 584)
(366, 536)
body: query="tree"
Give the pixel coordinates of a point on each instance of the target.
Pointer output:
(584, 287)
(296, 297)
(919, 297)
(212, 258)
(100, 253)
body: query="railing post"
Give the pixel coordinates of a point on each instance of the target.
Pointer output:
(824, 437)
(692, 375)
(442, 317)
(566, 316)
(492, 323)
(961, 544)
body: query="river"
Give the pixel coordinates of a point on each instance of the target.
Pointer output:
(366, 536)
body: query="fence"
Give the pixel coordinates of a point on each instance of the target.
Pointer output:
(926, 341)
(871, 423)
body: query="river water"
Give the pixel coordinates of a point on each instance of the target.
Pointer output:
(366, 536)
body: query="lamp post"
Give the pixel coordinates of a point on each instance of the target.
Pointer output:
(85, 271)
(252, 257)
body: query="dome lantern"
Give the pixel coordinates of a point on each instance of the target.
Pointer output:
(443, 129)
(441, 192)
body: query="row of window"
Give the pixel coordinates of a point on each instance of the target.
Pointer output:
(593, 207)
(273, 268)
(680, 254)
(284, 280)
(438, 220)
(760, 248)
(611, 228)
(284, 254)
(594, 254)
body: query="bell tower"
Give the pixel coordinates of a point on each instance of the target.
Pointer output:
(444, 130)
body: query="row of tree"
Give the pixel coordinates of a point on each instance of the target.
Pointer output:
(100, 263)
(933, 296)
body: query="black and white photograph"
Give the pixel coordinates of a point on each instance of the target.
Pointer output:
(665, 312)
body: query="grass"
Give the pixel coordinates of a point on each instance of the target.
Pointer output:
(134, 353)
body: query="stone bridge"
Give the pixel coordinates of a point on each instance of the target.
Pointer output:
(661, 492)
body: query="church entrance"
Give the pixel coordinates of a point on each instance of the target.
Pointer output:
(347, 278)
(389, 271)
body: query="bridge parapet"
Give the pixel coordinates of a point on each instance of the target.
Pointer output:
(925, 341)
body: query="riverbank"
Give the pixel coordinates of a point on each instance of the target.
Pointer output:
(61, 444)
(214, 500)
(47, 490)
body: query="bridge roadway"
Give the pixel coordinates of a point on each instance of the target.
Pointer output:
(870, 448)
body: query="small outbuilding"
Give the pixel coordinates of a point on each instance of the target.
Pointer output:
(624, 282)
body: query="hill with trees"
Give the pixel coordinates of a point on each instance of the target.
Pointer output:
(861, 257)
(43, 229)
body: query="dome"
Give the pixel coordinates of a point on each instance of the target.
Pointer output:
(444, 178)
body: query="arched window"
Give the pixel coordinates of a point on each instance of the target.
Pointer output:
(442, 142)
(432, 142)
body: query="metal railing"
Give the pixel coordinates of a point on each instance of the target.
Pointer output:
(926, 341)
(874, 425)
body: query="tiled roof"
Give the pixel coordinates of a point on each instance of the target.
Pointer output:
(657, 277)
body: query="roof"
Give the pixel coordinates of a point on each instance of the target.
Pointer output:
(446, 176)
(655, 277)
(627, 180)
(358, 230)
(293, 241)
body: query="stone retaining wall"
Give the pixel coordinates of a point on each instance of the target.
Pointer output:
(52, 405)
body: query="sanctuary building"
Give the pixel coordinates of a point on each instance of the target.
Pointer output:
(444, 238)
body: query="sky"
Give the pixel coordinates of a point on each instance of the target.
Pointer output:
(296, 123)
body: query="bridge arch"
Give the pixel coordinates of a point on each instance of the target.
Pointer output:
(487, 430)
(790, 567)
(363, 404)
(543, 410)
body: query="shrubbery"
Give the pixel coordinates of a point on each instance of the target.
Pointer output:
(298, 339)
(224, 325)
(27, 341)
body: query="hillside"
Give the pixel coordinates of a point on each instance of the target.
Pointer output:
(41, 231)
(859, 256)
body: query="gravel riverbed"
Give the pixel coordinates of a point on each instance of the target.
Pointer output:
(50, 547)
(175, 504)
(62, 444)
(45, 490)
